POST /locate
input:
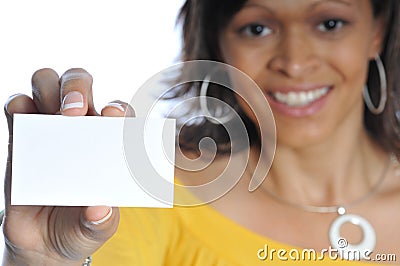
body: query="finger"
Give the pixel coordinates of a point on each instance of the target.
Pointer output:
(18, 103)
(46, 91)
(76, 93)
(99, 223)
(118, 109)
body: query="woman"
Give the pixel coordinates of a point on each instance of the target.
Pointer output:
(310, 59)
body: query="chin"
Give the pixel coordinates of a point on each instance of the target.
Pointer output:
(302, 137)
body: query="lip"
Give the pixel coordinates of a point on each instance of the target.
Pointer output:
(303, 111)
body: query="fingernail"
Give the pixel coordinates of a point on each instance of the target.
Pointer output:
(12, 97)
(73, 99)
(104, 219)
(116, 105)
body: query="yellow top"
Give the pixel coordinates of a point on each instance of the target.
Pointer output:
(196, 236)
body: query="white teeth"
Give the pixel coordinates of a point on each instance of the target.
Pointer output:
(299, 99)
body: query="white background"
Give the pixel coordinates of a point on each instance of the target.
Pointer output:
(121, 43)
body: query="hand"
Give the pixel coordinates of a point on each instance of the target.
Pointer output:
(45, 235)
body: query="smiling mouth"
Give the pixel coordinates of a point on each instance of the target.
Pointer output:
(299, 99)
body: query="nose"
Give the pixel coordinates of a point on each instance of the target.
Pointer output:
(295, 55)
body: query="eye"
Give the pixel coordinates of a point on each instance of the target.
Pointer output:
(331, 25)
(255, 30)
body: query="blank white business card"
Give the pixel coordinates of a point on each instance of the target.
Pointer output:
(88, 161)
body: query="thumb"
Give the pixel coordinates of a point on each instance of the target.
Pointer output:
(99, 223)
(100, 217)
(75, 237)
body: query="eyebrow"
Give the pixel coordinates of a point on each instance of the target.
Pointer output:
(344, 2)
(247, 5)
(314, 5)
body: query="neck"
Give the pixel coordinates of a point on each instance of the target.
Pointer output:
(334, 172)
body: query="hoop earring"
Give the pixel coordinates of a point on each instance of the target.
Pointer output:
(367, 98)
(204, 108)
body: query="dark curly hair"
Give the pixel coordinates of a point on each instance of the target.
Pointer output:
(202, 21)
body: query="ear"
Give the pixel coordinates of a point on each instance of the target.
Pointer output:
(378, 37)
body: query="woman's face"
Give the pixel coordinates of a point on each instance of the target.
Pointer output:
(310, 58)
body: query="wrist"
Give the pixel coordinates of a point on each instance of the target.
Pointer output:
(10, 258)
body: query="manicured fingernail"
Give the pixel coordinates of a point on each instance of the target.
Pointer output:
(12, 97)
(73, 99)
(104, 219)
(116, 105)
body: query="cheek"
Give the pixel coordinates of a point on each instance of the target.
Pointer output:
(250, 97)
(247, 109)
(350, 57)
(248, 59)
(249, 62)
(349, 63)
